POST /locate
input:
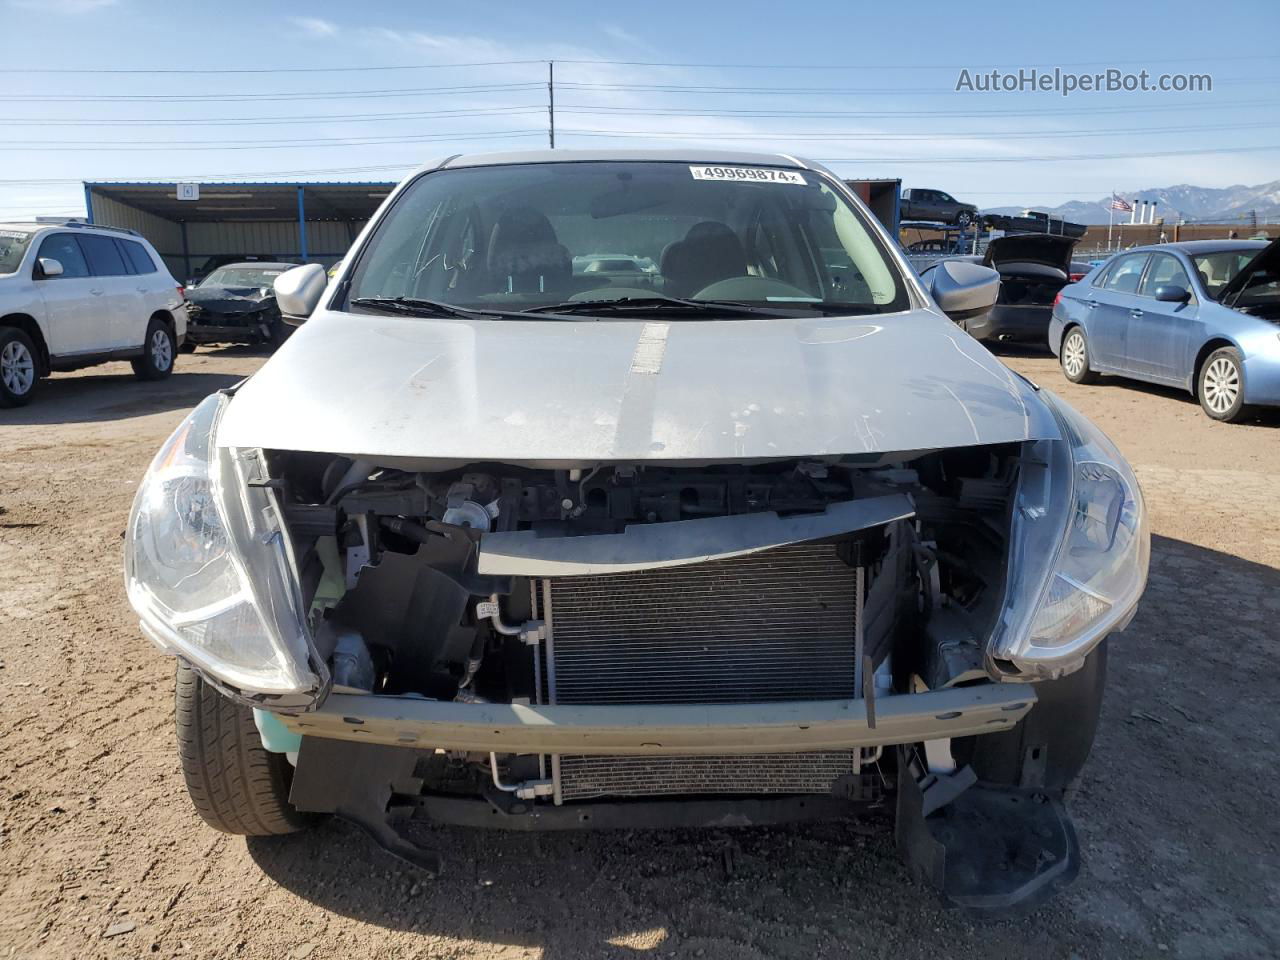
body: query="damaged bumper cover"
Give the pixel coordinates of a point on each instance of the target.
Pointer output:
(673, 730)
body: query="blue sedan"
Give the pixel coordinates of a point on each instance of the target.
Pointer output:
(1203, 315)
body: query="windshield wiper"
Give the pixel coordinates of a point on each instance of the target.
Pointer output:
(659, 303)
(421, 307)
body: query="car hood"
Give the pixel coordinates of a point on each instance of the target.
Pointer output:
(1268, 258)
(1047, 249)
(553, 392)
(229, 299)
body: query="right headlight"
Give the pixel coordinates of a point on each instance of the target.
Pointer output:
(1080, 548)
(208, 567)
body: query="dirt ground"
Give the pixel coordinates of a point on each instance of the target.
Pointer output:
(101, 855)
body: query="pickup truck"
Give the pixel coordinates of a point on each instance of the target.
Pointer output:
(934, 205)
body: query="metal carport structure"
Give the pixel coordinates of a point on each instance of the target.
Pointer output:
(307, 222)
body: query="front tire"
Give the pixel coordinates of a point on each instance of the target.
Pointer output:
(235, 785)
(158, 351)
(19, 369)
(1220, 385)
(963, 219)
(1074, 357)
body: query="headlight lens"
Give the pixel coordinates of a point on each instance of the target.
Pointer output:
(1080, 552)
(208, 569)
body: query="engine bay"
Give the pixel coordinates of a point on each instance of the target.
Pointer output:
(388, 557)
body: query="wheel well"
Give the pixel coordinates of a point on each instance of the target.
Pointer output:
(165, 317)
(1071, 325)
(27, 324)
(1201, 357)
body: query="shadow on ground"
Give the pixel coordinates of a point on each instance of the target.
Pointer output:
(1189, 679)
(110, 396)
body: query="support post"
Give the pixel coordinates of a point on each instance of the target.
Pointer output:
(551, 102)
(186, 254)
(88, 203)
(302, 225)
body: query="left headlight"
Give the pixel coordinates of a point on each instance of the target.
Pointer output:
(209, 570)
(1080, 548)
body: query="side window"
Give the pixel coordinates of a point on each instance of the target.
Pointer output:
(65, 248)
(1124, 275)
(946, 197)
(104, 259)
(1164, 271)
(138, 257)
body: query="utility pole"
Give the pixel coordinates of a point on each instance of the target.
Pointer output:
(551, 102)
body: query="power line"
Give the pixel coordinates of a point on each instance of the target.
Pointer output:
(825, 91)
(387, 93)
(591, 109)
(143, 146)
(911, 137)
(261, 70)
(931, 65)
(223, 176)
(1047, 158)
(272, 120)
(972, 67)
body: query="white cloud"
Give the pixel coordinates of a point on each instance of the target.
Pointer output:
(70, 7)
(615, 32)
(315, 26)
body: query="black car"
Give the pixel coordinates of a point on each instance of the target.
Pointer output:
(235, 304)
(1033, 268)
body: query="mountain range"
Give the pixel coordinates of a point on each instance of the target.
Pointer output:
(1183, 201)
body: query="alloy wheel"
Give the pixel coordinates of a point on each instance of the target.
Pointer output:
(1221, 385)
(161, 350)
(1073, 355)
(17, 368)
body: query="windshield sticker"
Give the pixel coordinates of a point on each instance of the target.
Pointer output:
(13, 235)
(748, 175)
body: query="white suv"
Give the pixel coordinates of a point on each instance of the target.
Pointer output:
(72, 295)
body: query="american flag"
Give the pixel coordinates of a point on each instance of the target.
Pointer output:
(1119, 203)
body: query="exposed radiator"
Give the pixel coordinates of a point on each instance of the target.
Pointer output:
(774, 626)
(583, 778)
(770, 626)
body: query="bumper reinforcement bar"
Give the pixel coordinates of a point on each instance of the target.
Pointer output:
(666, 729)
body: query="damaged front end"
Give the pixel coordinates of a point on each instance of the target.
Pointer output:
(648, 644)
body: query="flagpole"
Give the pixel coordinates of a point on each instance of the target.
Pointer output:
(1111, 214)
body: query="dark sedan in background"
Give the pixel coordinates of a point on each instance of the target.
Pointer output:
(236, 304)
(1202, 315)
(1033, 267)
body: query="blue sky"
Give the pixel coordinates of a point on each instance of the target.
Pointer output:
(868, 86)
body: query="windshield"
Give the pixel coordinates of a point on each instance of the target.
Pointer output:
(13, 244)
(532, 235)
(243, 277)
(1219, 269)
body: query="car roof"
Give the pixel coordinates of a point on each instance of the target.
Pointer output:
(1192, 247)
(684, 155)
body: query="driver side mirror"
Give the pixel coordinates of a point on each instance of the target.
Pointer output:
(49, 268)
(963, 290)
(1172, 293)
(298, 292)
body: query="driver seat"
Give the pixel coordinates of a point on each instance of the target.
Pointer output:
(524, 254)
(709, 252)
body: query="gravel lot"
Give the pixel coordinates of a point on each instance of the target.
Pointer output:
(101, 854)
